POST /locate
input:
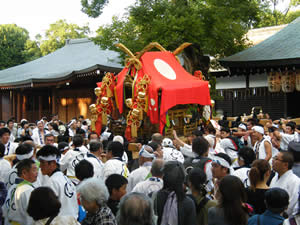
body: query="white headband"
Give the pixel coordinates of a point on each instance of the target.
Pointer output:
(144, 153)
(25, 156)
(40, 121)
(259, 129)
(49, 158)
(221, 161)
(243, 126)
(72, 121)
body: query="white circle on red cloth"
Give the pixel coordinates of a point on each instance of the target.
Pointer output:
(164, 69)
(152, 101)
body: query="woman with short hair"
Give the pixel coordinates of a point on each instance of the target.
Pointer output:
(44, 207)
(93, 197)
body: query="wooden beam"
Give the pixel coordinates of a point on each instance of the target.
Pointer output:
(24, 107)
(14, 103)
(54, 101)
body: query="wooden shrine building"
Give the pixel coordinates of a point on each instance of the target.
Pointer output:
(60, 83)
(266, 75)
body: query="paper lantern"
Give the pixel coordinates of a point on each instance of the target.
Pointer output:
(274, 84)
(298, 80)
(288, 80)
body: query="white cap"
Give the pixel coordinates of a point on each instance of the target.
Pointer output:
(243, 126)
(119, 138)
(259, 129)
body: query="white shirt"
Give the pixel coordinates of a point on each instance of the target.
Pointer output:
(291, 183)
(229, 149)
(58, 220)
(187, 151)
(115, 165)
(97, 164)
(18, 206)
(66, 192)
(172, 154)
(10, 148)
(260, 147)
(285, 140)
(243, 173)
(152, 184)
(38, 138)
(138, 175)
(4, 169)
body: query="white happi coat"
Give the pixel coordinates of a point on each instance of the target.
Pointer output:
(152, 184)
(260, 147)
(115, 165)
(4, 169)
(172, 154)
(97, 164)
(10, 148)
(66, 192)
(15, 208)
(243, 174)
(291, 183)
(37, 139)
(229, 149)
(187, 151)
(285, 140)
(138, 175)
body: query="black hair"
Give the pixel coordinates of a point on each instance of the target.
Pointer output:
(233, 193)
(55, 127)
(3, 131)
(3, 122)
(23, 123)
(198, 178)
(115, 181)
(81, 116)
(197, 133)
(225, 129)
(84, 123)
(37, 208)
(93, 132)
(291, 124)
(95, 146)
(116, 148)
(200, 145)
(10, 120)
(48, 150)
(84, 169)
(48, 135)
(61, 146)
(77, 140)
(173, 178)
(80, 131)
(24, 164)
(2, 150)
(154, 145)
(247, 154)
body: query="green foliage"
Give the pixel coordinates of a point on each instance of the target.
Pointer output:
(32, 51)
(12, 45)
(93, 8)
(58, 33)
(214, 27)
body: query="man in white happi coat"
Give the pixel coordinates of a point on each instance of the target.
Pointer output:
(15, 208)
(263, 146)
(94, 157)
(5, 165)
(153, 183)
(146, 155)
(61, 185)
(115, 164)
(10, 147)
(170, 153)
(286, 179)
(73, 157)
(38, 135)
(287, 136)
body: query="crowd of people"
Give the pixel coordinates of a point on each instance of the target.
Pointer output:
(54, 173)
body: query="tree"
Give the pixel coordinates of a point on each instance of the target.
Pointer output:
(58, 33)
(93, 8)
(12, 45)
(32, 51)
(214, 27)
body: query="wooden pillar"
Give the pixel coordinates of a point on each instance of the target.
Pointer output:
(24, 113)
(40, 107)
(14, 103)
(54, 111)
(19, 107)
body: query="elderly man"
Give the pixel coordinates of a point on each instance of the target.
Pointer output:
(146, 155)
(136, 208)
(285, 178)
(38, 135)
(154, 183)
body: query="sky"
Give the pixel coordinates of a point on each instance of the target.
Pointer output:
(36, 15)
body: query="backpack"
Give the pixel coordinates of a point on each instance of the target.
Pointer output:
(237, 143)
(199, 162)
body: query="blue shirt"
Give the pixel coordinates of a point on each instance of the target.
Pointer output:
(267, 218)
